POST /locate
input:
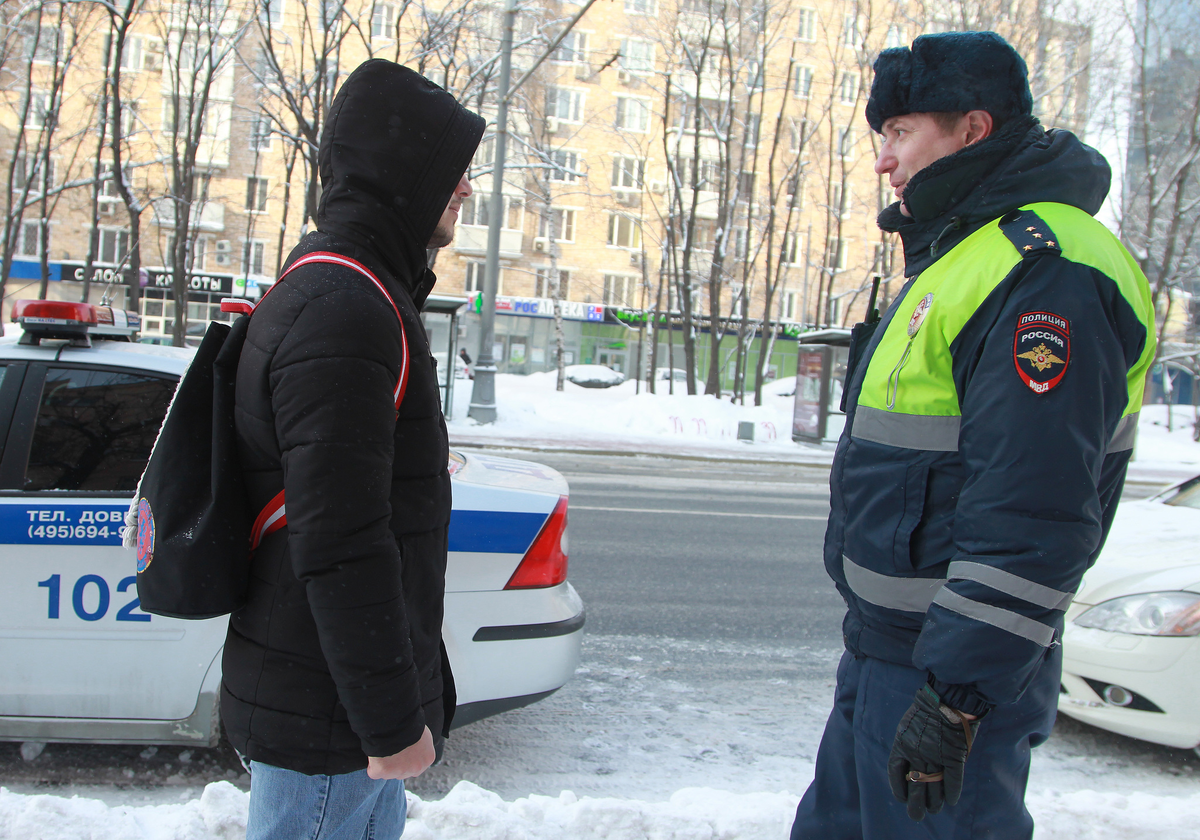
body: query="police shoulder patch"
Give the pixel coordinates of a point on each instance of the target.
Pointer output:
(1042, 349)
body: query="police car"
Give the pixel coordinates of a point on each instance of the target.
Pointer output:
(80, 407)
(1131, 647)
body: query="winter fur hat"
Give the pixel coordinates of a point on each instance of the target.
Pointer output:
(951, 71)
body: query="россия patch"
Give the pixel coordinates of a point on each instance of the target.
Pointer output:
(1042, 349)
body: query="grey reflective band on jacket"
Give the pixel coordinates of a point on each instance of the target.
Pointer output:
(896, 593)
(939, 433)
(1125, 435)
(908, 431)
(1014, 623)
(1010, 584)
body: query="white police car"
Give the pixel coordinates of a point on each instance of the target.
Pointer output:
(80, 662)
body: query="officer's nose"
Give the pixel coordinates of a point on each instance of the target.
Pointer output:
(886, 161)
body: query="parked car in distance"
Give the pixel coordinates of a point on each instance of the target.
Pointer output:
(79, 661)
(593, 376)
(1132, 640)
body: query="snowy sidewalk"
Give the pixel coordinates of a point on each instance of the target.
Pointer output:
(532, 415)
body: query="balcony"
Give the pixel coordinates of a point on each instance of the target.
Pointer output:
(472, 240)
(212, 216)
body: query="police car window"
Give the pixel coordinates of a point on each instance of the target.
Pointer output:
(95, 429)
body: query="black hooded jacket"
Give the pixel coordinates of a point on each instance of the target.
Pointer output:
(966, 500)
(337, 655)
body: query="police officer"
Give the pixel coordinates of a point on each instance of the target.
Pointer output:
(990, 418)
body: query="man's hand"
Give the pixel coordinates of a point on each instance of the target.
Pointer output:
(409, 762)
(929, 754)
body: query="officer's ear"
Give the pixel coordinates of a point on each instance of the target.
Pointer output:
(979, 126)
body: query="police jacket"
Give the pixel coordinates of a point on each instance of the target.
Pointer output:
(990, 416)
(337, 655)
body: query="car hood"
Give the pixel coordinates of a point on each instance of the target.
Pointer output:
(1152, 547)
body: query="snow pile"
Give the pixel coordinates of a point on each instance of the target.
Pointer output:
(469, 812)
(531, 411)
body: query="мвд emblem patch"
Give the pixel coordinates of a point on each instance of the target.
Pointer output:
(1042, 349)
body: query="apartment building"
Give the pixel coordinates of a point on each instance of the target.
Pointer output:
(689, 165)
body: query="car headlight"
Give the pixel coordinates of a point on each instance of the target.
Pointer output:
(1151, 614)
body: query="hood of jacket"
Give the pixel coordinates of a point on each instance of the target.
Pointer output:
(392, 151)
(1020, 164)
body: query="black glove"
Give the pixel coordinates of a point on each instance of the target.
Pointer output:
(929, 755)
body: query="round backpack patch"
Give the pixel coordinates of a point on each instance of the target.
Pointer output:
(145, 539)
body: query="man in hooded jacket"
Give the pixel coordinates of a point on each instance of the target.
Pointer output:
(335, 682)
(990, 416)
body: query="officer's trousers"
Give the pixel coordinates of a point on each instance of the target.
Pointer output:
(850, 799)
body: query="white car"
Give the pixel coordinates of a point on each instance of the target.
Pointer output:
(80, 662)
(1132, 641)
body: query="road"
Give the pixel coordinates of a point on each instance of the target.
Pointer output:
(712, 638)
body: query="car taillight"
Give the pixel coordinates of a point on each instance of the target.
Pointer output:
(545, 563)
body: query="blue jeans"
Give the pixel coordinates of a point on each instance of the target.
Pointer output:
(286, 805)
(850, 799)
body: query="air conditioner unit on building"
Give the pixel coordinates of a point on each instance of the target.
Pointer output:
(583, 71)
(222, 252)
(108, 208)
(551, 125)
(656, 186)
(152, 54)
(625, 77)
(629, 199)
(635, 258)
(539, 244)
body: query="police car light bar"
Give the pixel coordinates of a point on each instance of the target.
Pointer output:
(75, 322)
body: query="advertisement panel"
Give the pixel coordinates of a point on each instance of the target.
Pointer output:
(810, 412)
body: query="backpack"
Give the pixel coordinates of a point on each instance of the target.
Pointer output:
(190, 519)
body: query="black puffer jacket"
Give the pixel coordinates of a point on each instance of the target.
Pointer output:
(338, 653)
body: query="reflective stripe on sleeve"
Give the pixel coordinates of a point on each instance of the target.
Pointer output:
(1010, 584)
(1012, 622)
(911, 431)
(896, 593)
(1125, 435)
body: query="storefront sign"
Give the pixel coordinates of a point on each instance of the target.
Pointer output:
(217, 284)
(572, 310)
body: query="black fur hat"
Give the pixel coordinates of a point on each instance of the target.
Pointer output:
(950, 71)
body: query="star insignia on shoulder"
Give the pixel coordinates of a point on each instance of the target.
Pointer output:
(1028, 248)
(1051, 243)
(1030, 229)
(1037, 236)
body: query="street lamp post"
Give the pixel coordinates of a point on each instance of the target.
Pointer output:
(483, 392)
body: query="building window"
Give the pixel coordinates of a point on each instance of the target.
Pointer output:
(852, 32)
(39, 109)
(741, 243)
(476, 210)
(260, 132)
(835, 253)
(802, 79)
(633, 114)
(473, 282)
(746, 183)
(114, 246)
(754, 75)
(714, 115)
(808, 25)
(640, 7)
(28, 172)
(845, 142)
(29, 239)
(256, 195)
(572, 49)
(637, 56)
(848, 90)
(706, 175)
(543, 285)
(383, 21)
(620, 289)
(129, 118)
(561, 222)
(270, 12)
(199, 252)
(565, 165)
(790, 306)
(839, 207)
(895, 37)
(331, 13)
(628, 172)
(564, 104)
(256, 251)
(624, 231)
(801, 132)
(791, 253)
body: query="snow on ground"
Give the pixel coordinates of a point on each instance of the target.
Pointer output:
(469, 812)
(532, 414)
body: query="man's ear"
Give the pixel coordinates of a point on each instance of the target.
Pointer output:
(978, 125)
